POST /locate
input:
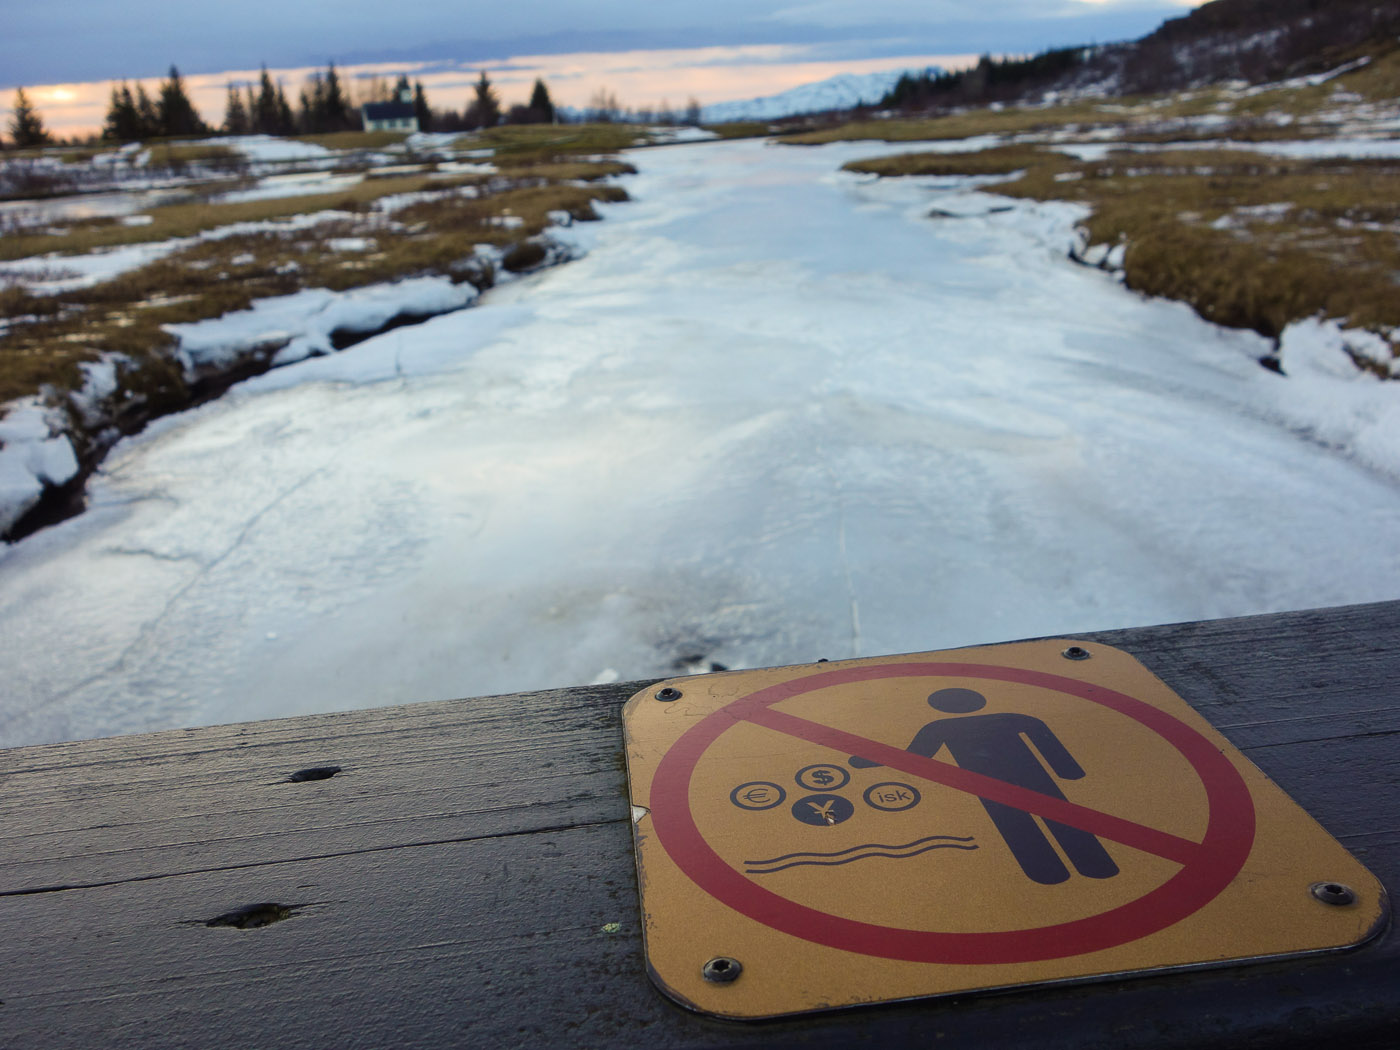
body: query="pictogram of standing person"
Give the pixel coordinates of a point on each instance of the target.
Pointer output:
(996, 745)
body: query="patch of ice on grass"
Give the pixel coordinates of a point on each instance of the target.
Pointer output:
(665, 135)
(451, 168)
(53, 274)
(301, 184)
(350, 244)
(426, 141)
(264, 148)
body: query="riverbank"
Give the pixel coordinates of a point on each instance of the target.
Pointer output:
(113, 329)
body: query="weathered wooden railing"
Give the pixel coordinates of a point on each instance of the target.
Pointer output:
(467, 877)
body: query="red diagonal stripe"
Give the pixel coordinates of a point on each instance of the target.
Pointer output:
(1096, 822)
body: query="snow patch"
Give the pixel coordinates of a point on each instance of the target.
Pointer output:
(34, 454)
(52, 274)
(304, 321)
(1340, 404)
(301, 184)
(668, 135)
(266, 148)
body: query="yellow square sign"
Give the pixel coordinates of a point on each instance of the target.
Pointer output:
(875, 830)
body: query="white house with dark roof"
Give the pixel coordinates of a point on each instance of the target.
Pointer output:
(397, 115)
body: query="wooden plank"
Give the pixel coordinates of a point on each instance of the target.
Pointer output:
(136, 807)
(456, 884)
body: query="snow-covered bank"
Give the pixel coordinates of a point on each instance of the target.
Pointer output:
(35, 454)
(775, 413)
(305, 323)
(215, 352)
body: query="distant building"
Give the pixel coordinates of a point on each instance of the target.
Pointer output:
(398, 115)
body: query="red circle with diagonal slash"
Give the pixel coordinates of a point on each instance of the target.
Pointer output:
(1207, 867)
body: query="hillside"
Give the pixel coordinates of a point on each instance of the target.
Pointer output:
(845, 91)
(1256, 41)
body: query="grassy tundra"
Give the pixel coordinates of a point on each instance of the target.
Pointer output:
(1251, 240)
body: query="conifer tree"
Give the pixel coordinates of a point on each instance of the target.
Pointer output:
(541, 105)
(123, 123)
(311, 106)
(336, 108)
(264, 112)
(26, 126)
(486, 108)
(286, 123)
(147, 119)
(236, 121)
(421, 109)
(175, 113)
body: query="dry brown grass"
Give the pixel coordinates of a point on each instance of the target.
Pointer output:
(189, 219)
(352, 140)
(1378, 81)
(1003, 160)
(526, 166)
(180, 154)
(1010, 121)
(209, 278)
(1199, 227)
(741, 129)
(543, 142)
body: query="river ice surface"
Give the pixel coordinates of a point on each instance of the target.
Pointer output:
(776, 413)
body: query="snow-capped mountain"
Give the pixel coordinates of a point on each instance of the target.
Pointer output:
(844, 91)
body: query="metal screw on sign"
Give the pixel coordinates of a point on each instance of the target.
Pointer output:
(1333, 893)
(722, 970)
(668, 694)
(1076, 652)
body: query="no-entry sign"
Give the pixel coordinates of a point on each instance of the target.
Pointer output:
(883, 829)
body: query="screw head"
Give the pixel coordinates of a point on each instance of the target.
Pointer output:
(1334, 893)
(1076, 652)
(722, 970)
(668, 694)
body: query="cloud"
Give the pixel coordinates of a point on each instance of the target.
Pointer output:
(945, 13)
(81, 40)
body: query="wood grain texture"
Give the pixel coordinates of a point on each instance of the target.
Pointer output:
(457, 884)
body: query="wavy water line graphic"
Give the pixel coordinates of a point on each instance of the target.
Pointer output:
(855, 853)
(867, 845)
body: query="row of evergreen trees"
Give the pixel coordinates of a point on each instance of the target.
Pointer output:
(991, 80)
(323, 106)
(136, 117)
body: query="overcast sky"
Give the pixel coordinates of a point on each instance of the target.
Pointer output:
(67, 53)
(83, 40)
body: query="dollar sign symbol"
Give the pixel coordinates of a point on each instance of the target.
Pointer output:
(823, 777)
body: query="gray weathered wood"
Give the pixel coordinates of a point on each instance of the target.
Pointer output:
(457, 883)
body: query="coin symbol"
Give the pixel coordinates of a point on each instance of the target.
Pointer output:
(822, 811)
(822, 777)
(757, 794)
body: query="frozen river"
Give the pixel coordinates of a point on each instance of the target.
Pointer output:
(776, 413)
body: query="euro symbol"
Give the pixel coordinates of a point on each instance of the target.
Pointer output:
(758, 795)
(823, 777)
